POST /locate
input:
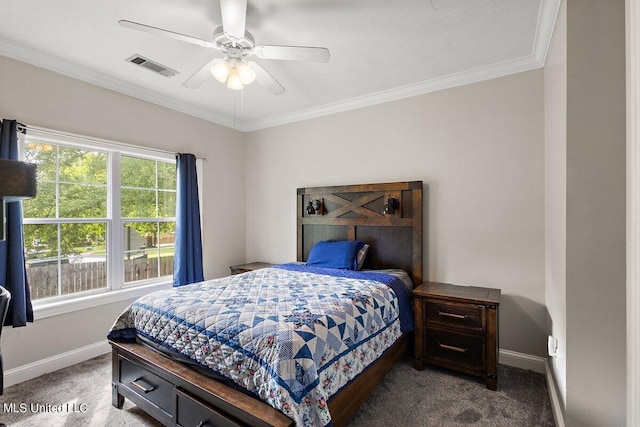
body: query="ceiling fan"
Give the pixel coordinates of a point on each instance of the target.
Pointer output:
(237, 44)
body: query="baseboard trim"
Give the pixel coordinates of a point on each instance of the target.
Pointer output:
(540, 365)
(556, 406)
(522, 361)
(53, 363)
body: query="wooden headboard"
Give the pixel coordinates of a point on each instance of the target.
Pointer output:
(355, 212)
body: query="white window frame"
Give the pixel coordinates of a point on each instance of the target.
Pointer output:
(116, 289)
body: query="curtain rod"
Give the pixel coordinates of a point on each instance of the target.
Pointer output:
(24, 128)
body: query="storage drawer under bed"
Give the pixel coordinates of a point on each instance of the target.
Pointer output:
(146, 384)
(176, 404)
(193, 412)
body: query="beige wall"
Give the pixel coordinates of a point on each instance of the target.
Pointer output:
(38, 97)
(479, 150)
(585, 210)
(555, 160)
(595, 269)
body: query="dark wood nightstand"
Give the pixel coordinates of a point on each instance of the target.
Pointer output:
(243, 268)
(457, 328)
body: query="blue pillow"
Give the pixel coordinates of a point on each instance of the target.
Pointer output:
(335, 254)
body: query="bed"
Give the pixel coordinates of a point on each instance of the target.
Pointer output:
(166, 359)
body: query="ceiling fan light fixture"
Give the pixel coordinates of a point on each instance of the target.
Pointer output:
(221, 70)
(234, 81)
(247, 74)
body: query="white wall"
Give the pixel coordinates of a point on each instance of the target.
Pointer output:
(596, 207)
(555, 89)
(38, 97)
(479, 150)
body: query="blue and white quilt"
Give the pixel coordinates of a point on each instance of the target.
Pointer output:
(292, 335)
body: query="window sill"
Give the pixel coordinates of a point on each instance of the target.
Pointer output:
(57, 308)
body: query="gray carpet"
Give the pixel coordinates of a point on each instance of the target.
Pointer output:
(433, 397)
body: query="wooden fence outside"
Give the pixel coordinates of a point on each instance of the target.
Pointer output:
(84, 276)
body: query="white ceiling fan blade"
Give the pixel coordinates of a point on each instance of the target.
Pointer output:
(160, 31)
(266, 79)
(202, 75)
(234, 16)
(293, 53)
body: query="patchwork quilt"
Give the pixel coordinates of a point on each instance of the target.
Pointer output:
(292, 335)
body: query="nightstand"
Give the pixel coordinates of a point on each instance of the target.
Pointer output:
(457, 328)
(243, 268)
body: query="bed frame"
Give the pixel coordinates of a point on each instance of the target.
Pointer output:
(177, 395)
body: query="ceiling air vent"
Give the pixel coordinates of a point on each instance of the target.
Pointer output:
(151, 65)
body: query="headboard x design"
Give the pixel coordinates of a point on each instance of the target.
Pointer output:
(356, 212)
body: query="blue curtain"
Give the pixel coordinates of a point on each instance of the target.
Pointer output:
(13, 274)
(187, 267)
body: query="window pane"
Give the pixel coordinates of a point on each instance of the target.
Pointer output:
(166, 176)
(148, 250)
(66, 258)
(84, 263)
(44, 204)
(136, 172)
(167, 204)
(41, 246)
(138, 203)
(82, 201)
(167, 247)
(43, 155)
(82, 166)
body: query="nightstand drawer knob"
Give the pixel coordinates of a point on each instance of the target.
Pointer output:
(452, 348)
(455, 316)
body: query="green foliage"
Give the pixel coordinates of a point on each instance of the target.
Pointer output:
(142, 195)
(72, 183)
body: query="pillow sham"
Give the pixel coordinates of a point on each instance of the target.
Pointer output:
(360, 256)
(340, 254)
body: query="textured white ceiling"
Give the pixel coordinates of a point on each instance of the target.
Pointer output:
(380, 49)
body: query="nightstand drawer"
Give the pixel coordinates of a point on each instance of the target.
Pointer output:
(460, 349)
(456, 315)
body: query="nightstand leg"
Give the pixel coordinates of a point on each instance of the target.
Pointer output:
(492, 348)
(418, 336)
(492, 382)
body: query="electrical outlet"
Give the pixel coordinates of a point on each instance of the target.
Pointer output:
(552, 345)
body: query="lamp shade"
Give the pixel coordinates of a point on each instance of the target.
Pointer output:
(221, 70)
(234, 81)
(17, 180)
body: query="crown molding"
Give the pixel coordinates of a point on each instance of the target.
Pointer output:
(39, 58)
(446, 82)
(547, 18)
(544, 31)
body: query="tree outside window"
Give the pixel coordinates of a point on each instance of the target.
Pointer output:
(67, 226)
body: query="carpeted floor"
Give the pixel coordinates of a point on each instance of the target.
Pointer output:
(433, 397)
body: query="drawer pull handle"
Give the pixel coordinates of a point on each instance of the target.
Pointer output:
(145, 388)
(455, 316)
(201, 424)
(452, 348)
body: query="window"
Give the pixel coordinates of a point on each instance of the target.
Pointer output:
(148, 205)
(102, 218)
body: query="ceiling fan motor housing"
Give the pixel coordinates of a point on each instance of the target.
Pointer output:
(225, 42)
